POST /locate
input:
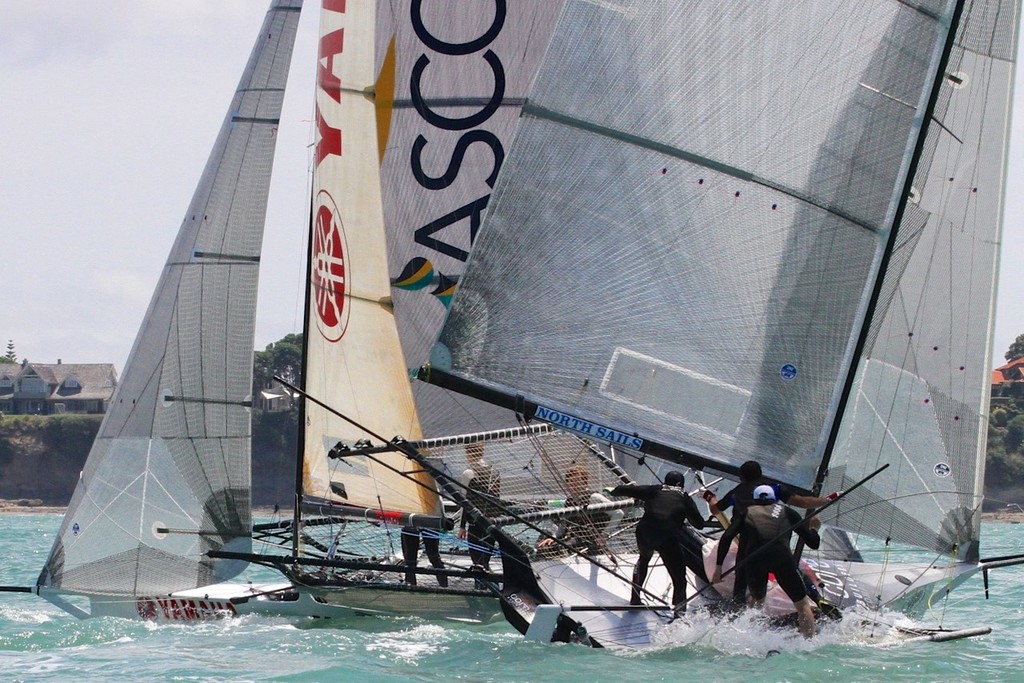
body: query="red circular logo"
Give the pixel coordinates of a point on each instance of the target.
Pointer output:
(146, 608)
(328, 269)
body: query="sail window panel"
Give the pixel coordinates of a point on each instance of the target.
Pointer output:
(853, 86)
(566, 271)
(112, 522)
(931, 458)
(675, 392)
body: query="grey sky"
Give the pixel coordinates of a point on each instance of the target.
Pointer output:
(107, 113)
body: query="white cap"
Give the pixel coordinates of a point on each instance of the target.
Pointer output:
(764, 493)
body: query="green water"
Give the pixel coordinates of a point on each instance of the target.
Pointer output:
(38, 642)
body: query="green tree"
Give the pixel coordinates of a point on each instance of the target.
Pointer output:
(10, 356)
(283, 359)
(1016, 349)
(999, 417)
(275, 434)
(1014, 434)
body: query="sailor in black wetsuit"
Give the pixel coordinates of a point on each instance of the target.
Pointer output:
(661, 529)
(740, 497)
(765, 529)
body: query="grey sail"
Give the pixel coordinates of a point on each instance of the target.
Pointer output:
(168, 477)
(685, 234)
(920, 402)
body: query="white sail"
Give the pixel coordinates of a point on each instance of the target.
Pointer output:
(168, 477)
(460, 73)
(711, 247)
(353, 357)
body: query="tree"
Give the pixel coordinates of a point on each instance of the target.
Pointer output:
(10, 356)
(283, 358)
(1014, 434)
(1016, 349)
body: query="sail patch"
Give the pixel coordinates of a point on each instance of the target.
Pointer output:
(659, 387)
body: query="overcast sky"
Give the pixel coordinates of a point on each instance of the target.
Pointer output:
(107, 113)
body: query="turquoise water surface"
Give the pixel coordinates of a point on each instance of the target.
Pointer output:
(38, 642)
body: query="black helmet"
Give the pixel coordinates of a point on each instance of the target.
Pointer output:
(674, 478)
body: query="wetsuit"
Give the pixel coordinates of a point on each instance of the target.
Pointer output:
(661, 529)
(411, 548)
(740, 498)
(764, 532)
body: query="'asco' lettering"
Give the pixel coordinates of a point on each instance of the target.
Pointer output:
(476, 117)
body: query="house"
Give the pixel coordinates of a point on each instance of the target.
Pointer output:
(1011, 372)
(48, 389)
(1008, 380)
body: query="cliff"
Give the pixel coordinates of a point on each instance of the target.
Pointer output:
(41, 458)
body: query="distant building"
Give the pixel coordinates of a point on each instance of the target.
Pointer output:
(1008, 380)
(49, 389)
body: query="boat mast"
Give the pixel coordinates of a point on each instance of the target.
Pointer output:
(300, 449)
(862, 337)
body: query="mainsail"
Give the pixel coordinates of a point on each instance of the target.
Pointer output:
(756, 231)
(461, 73)
(687, 231)
(168, 477)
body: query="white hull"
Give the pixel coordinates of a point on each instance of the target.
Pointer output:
(575, 582)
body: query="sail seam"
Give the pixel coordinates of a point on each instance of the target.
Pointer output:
(530, 109)
(215, 401)
(255, 119)
(461, 102)
(215, 256)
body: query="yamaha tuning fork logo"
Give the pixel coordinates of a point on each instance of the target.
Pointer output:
(328, 269)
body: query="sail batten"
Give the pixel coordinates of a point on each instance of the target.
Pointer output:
(697, 160)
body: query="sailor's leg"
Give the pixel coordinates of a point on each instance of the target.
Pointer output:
(410, 552)
(432, 546)
(640, 573)
(805, 617)
(675, 564)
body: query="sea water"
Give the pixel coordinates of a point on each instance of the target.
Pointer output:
(38, 642)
